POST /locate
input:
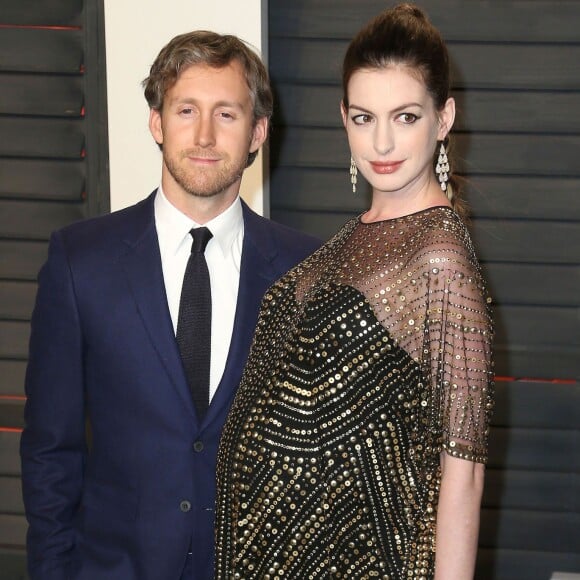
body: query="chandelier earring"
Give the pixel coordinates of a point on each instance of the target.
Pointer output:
(442, 167)
(353, 174)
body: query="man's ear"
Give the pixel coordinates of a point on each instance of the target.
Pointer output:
(259, 134)
(155, 126)
(446, 119)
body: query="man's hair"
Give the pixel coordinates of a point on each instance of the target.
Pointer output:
(211, 49)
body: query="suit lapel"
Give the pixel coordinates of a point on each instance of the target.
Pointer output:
(141, 263)
(257, 273)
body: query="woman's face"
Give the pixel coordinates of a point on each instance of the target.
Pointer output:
(393, 129)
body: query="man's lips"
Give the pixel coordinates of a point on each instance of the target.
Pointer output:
(202, 160)
(385, 167)
(201, 157)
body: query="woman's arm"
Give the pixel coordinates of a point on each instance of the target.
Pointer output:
(458, 518)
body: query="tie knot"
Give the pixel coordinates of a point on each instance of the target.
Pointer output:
(201, 236)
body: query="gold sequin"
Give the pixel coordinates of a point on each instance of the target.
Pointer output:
(370, 358)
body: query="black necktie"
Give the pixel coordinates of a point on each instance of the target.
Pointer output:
(194, 322)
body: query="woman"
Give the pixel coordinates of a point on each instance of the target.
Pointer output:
(356, 443)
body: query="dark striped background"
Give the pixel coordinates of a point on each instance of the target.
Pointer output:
(53, 170)
(516, 80)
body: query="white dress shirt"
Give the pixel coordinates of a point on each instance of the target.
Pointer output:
(223, 255)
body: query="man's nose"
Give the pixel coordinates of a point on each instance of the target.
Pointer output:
(205, 132)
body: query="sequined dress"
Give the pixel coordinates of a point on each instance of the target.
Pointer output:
(370, 358)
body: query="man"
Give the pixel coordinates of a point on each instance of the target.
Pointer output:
(118, 461)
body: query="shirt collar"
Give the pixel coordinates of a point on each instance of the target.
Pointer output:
(173, 226)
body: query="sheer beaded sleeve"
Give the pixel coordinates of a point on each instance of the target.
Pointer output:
(457, 346)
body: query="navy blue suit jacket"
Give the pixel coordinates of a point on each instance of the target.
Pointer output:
(118, 474)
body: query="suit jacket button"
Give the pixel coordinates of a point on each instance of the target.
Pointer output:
(185, 506)
(198, 446)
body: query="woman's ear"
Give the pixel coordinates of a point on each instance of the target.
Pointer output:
(446, 119)
(343, 113)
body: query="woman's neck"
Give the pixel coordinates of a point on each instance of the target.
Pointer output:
(389, 205)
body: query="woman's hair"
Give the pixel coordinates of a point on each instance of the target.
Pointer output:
(202, 47)
(403, 35)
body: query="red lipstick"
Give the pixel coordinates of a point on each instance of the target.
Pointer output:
(385, 167)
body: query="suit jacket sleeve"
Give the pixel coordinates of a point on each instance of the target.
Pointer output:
(53, 444)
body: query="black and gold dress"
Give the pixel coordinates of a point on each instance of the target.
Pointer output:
(370, 358)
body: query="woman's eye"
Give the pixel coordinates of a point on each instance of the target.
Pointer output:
(362, 119)
(408, 118)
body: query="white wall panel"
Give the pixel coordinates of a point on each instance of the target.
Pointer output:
(136, 30)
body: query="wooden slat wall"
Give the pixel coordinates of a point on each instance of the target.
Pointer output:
(516, 80)
(52, 172)
(516, 135)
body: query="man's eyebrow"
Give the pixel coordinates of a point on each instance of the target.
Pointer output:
(193, 101)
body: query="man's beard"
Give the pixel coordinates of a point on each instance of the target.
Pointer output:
(203, 181)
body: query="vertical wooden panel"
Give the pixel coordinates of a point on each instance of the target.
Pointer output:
(53, 170)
